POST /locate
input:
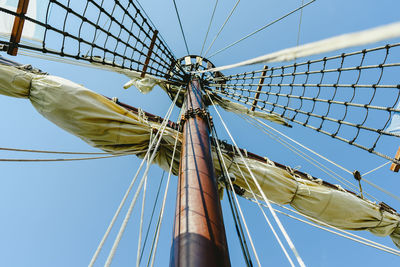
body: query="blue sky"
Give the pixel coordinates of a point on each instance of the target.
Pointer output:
(54, 214)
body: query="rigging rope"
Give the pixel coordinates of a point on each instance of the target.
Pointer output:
(161, 214)
(225, 173)
(322, 118)
(373, 35)
(303, 146)
(300, 153)
(110, 226)
(265, 216)
(154, 26)
(311, 160)
(209, 26)
(52, 152)
(159, 135)
(96, 36)
(126, 218)
(238, 226)
(142, 211)
(278, 222)
(221, 28)
(300, 19)
(180, 25)
(301, 93)
(377, 168)
(128, 42)
(339, 234)
(57, 160)
(381, 189)
(27, 52)
(151, 216)
(337, 175)
(260, 29)
(343, 233)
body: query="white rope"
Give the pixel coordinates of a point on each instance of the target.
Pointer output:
(312, 161)
(339, 166)
(241, 213)
(262, 28)
(209, 26)
(125, 221)
(154, 26)
(49, 57)
(94, 64)
(129, 212)
(110, 226)
(161, 215)
(381, 189)
(303, 146)
(278, 222)
(339, 234)
(377, 168)
(101, 244)
(350, 236)
(142, 213)
(306, 157)
(265, 216)
(96, 36)
(300, 20)
(141, 222)
(324, 46)
(222, 27)
(343, 233)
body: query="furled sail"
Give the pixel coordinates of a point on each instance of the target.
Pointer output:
(104, 124)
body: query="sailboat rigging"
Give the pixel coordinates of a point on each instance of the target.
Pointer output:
(344, 96)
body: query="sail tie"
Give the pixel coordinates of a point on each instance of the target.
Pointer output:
(358, 177)
(295, 193)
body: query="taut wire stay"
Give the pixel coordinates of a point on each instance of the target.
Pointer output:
(260, 29)
(208, 29)
(222, 27)
(181, 26)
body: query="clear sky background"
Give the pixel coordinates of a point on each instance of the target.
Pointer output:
(54, 214)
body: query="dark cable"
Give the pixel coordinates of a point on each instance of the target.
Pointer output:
(236, 219)
(151, 217)
(180, 24)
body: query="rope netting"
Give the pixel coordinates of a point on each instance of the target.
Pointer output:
(351, 97)
(113, 33)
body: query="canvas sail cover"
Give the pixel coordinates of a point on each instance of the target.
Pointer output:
(104, 124)
(36, 10)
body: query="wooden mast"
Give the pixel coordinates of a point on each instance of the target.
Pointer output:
(199, 234)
